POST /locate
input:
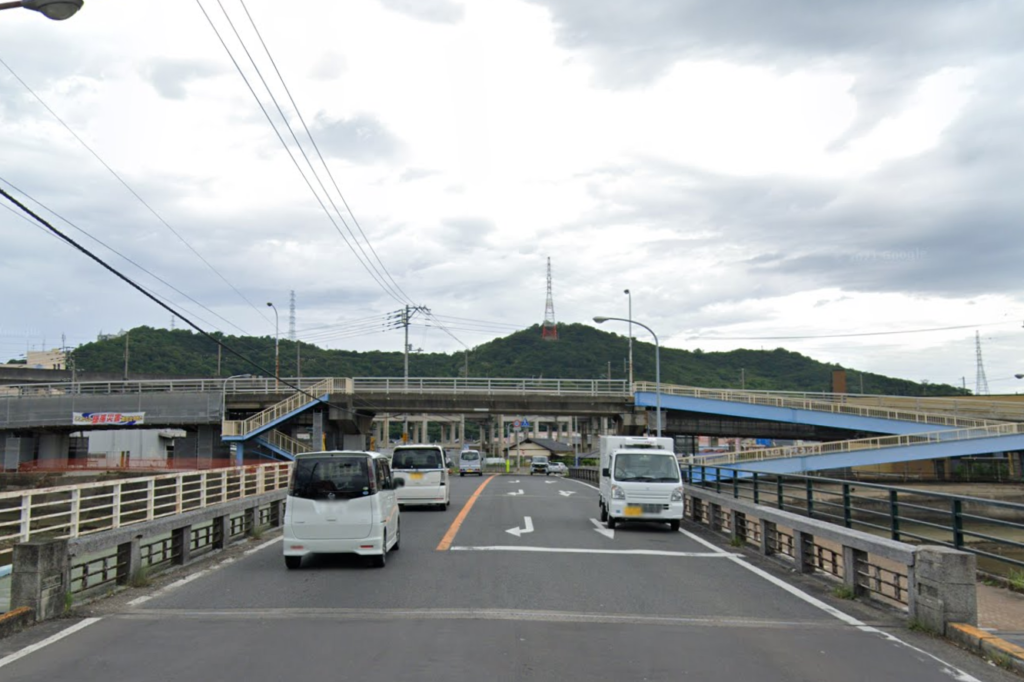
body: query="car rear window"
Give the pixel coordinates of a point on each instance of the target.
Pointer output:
(417, 458)
(469, 455)
(330, 477)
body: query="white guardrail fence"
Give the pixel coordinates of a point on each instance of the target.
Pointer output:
(265, 385)
(78, 510)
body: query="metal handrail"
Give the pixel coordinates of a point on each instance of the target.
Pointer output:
(85, 508)
(874, 443)
(290, 404)
(286, 443)
(903, 514)
(823, 402)
(485, 386)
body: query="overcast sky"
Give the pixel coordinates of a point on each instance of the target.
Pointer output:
(806, 174)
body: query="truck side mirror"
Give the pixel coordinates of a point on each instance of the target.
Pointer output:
(605, 472)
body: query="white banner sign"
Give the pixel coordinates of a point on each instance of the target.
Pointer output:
(108, 418)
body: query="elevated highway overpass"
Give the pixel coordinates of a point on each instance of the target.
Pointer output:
(267, 416)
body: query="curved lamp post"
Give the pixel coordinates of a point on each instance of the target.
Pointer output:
(657, 358)
(58, 10)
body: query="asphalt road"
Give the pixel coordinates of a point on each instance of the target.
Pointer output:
(567, 600)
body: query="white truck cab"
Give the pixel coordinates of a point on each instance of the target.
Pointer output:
(640, 481)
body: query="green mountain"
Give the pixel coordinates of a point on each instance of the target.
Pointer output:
(581, 352)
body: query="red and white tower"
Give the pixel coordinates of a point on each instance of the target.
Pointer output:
(549, 331)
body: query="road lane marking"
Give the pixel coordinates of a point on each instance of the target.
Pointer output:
(446, 541)
(7, 660)
(528, 527)
(600, 528)
(740, 560)
(566, 493)
(578, 550)
(517, 493)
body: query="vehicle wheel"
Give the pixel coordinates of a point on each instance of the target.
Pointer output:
(292, 562)
(604, 514)
(381, 560)
(610, 523)
(674, 525)
(398, 536)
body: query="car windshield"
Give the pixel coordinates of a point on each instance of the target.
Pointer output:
(646, 467)
(469, 456)
(330, 477)
(540, 460)
(417, 458)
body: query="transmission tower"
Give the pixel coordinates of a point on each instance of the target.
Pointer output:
(291, 317)
(981, 385)
(549, 331)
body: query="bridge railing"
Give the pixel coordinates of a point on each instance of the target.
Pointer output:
(874, 443)
(483, 386)
(821, 402)
(83, 509)
(260, 385)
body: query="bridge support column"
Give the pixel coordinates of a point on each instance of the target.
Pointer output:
(239, 453)
(317, 437)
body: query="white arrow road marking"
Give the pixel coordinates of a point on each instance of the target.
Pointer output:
(600, 528)
(551, 481)
(513, 482)
(566, 493)
(517, 493)
(527, 522)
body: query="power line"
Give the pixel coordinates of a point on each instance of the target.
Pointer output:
(163, 305)
(132, 191)
(320, 156)
(115, 251)
(374, 275)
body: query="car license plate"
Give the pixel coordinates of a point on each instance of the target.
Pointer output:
(416, 477)
(633, 510)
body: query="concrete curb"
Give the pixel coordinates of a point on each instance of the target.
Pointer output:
(15, 620)
(999, 651)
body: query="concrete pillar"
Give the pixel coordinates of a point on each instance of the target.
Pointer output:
(53, 447)
(221, 530)
(317, 437)
(944, 589)
(852, 559)
(737, 525)
(181, 545)
(767, 530)
(207, 440)
(802, 552)
(239, 453)
(40, 576)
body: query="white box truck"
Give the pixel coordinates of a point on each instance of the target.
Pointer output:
(640, 481)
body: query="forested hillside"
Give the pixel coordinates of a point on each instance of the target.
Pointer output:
(582, 352)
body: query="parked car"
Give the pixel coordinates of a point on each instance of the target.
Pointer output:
(557, 468)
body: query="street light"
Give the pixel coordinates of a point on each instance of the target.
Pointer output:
(657, 359)
(277, 339)
(58, 10)
(630, 338)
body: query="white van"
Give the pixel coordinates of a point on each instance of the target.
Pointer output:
(469, 463)
(424, 469)
(341, 502)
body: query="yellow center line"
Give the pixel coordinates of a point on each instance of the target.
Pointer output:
(446, 541)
